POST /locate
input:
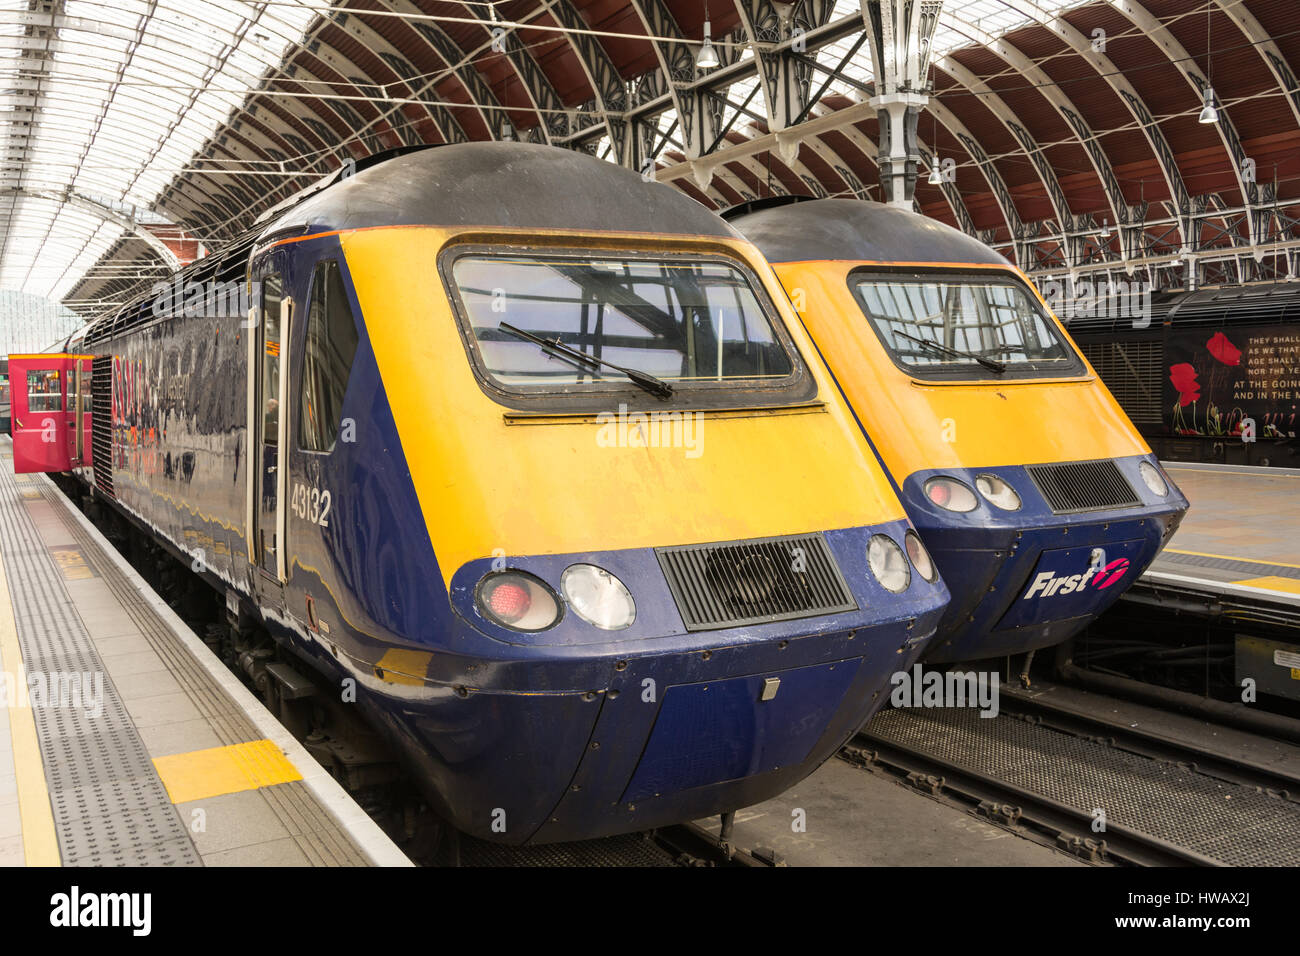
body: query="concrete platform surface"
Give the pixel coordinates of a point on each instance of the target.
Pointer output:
(1241, 535)
(123, 739)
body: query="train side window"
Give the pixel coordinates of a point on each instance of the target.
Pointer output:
(331, 344)
(272, 296)
(44, 393)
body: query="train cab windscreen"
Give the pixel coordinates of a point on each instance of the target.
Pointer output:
(572, 324)
(963, 326)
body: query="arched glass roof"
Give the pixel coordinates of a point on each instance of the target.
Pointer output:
(1066, 154)
(111, 100)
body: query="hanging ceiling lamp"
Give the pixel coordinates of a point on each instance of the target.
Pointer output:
(936, 177)
(706, 57)
(1208, 113)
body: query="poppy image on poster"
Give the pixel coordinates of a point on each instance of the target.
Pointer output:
(1221, 347)
(1183, 375)
(1216, 381)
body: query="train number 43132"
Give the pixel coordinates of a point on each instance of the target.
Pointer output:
(311, 504)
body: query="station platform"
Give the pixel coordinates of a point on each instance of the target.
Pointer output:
(1241, 538)
(123, 739)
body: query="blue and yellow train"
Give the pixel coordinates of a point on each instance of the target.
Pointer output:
(536, 459)
(1036, 495)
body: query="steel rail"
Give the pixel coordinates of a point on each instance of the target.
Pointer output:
(1120, 734)
(1015, 807)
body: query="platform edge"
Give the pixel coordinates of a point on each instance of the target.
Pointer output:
(370, 839)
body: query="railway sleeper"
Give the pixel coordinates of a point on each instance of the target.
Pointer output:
(1003, 813)
(1094, 851)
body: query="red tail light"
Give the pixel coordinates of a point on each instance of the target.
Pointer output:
(517, 600)
(950, 494)
(509, 601)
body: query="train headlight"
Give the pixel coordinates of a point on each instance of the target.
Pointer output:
(1154, 480)
(888, 563)
(998, 492)
(516, 600)
(598, 597)
(921, 559)
(950, 494)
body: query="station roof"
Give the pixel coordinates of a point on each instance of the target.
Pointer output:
(1072, 127)
(104, 103)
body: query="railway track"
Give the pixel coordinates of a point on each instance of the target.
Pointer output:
(1091, 784)
(1020, 810)
(1249, 771)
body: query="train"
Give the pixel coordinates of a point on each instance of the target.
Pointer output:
(1038, 499)
(1204, 374)
(533, 459)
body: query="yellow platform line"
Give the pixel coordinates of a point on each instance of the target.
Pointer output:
(40, 843)
(1287, 585)
(200, 774)
(1230, 557)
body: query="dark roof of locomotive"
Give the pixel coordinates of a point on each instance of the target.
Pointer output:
(501, 184)
(856, 230)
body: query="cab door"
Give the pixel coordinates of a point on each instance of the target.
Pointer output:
(267, 423)
(42, 422)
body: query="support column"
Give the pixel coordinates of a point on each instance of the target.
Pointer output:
(785, 78)
(900, 33)
(899, 156)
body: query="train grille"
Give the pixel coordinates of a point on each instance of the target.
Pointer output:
(752, 582)
(1083, 486)
(101, 422)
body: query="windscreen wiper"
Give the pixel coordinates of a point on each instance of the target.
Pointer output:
(655, 386)
(988, 363)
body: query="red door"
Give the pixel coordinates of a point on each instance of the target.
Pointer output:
(46, 411)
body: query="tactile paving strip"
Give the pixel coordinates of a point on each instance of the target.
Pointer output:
(110, 808)
(1237, 825)
(1259, 568)
(314, 831)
